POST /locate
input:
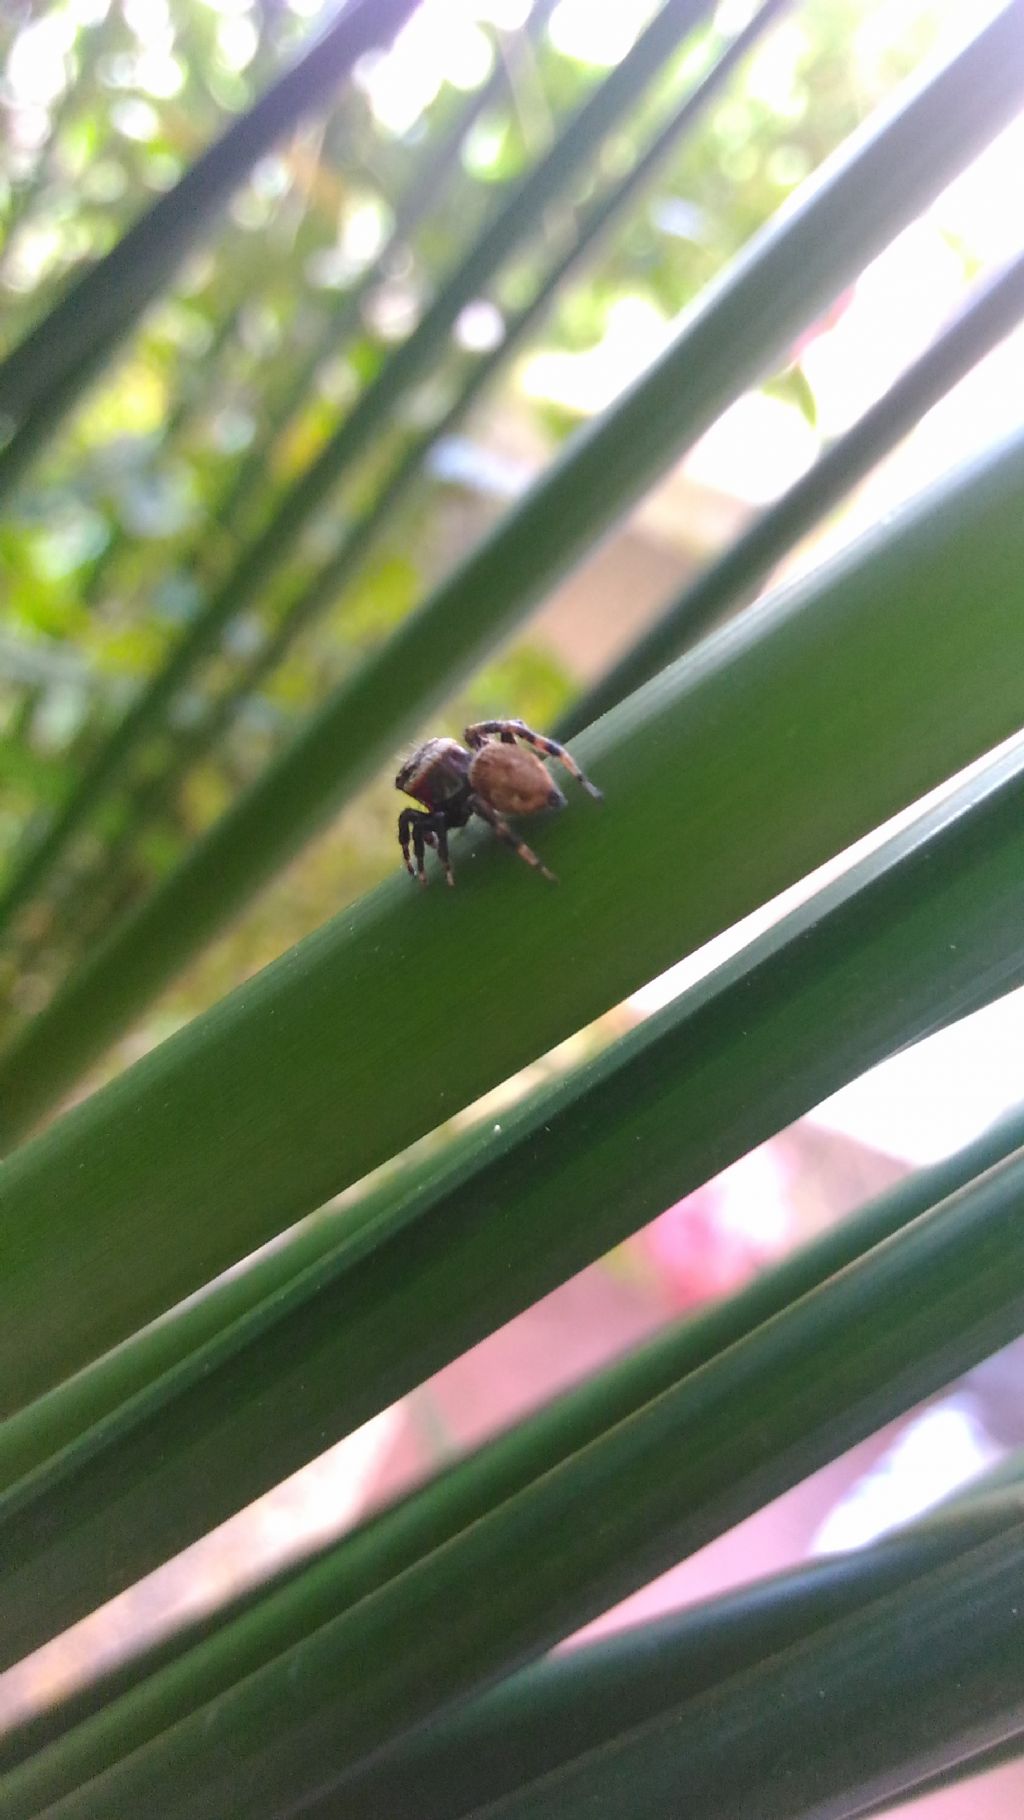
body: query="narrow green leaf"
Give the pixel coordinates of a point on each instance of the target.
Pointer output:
(353, 1314)
(257, 1082)
(978, 1763)
(839, 220)
(42, 378)
(744, 566)
(555, 1711)
(550, 1712)
(299, 1599)
(371, 416)
(885, 1332)
(928, 1674)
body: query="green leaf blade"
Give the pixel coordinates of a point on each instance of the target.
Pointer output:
(432, 1264)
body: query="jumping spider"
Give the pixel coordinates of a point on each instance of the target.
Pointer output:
(490, 776)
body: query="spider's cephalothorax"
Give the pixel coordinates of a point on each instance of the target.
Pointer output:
(490, 776)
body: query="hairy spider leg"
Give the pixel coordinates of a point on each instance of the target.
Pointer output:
(510, 838)
(419, 848)
(414, 820)
(511, 730)
(424, 830)
(441, 837)
(406, 823)
(435, 833)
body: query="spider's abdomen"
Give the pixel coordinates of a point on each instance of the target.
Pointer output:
(512, 781)
(435, 774)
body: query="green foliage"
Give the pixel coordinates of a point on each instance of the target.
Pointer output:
(152, 583)
(228, 606)
(265, 557)
(789, 272)
(919, 1309)
(550, 1716)
(45, 375)
(434, 1248)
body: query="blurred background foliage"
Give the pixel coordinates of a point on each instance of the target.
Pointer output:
(235, 380)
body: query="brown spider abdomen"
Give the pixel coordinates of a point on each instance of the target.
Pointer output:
(512, 781)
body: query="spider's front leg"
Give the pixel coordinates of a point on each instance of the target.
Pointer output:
(407, 831)
(509, 836)
(511, 730)
(418, 827)
(439, 836)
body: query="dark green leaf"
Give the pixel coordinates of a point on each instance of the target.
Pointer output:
(553, 1713)
(926, 1675)
(204, 1411)
(884, 1332)
(744, 751)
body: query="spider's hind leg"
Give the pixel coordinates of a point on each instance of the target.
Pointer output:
(510, 838)
(511, 730)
